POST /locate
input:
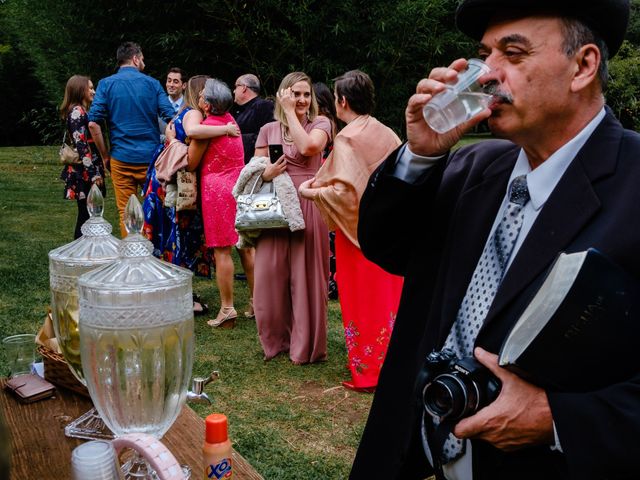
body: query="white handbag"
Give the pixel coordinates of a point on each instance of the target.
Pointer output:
(260, 210)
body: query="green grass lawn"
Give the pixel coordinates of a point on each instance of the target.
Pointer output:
(290, 422)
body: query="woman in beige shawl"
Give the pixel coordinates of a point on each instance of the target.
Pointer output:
(369, 296)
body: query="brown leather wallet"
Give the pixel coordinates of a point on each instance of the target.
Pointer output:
(30, 388)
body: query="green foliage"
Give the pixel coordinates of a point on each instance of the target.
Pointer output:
(633, 32)
(623, 92)
(44, 42)
(397, 43)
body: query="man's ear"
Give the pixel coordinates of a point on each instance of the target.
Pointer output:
(587, 61)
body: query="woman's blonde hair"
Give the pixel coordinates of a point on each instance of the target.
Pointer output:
(74, 94)
(287, 82)
(194, 86)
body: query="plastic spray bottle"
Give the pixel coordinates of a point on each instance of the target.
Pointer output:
(217, 449)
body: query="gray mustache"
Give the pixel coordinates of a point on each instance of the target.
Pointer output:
(493, 88)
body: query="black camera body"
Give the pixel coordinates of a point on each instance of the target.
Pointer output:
(455, 388)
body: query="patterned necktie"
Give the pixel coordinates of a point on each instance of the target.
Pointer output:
(483, 287)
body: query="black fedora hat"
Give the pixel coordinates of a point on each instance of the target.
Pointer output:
(608, 18)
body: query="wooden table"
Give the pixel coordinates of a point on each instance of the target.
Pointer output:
(39, 448)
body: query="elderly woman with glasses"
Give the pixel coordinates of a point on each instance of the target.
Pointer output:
(220, 167)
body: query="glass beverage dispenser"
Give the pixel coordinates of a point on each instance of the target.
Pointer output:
(136, 335)
(96, 247)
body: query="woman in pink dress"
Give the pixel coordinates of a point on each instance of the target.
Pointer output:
(291, 268)
(219, 169)
(369, 296)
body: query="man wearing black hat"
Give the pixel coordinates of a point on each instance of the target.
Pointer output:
(565, 178)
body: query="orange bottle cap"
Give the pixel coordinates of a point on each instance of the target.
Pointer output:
(216, 428)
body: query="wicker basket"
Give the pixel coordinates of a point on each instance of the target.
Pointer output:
(56, 371)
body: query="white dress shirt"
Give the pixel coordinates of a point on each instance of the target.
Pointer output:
(176, 103)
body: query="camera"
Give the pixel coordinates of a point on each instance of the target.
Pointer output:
(456, 387)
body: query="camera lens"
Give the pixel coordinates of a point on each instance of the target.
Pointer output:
(439, 399)
(448, 396)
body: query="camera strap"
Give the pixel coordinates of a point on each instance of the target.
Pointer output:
(444, 446)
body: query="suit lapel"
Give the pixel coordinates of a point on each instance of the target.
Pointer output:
(563, 216)
(569, 208)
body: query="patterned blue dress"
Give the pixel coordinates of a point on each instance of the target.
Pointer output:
(177, 237)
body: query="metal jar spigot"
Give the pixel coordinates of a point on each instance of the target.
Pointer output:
(196, 394)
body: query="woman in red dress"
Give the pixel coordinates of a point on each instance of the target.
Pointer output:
(220, 167)
(369, 296)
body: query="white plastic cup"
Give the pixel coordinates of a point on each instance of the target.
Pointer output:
(461, 101)
(95, 460)
(21, 353)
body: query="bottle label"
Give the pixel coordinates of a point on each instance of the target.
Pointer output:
(222, 469)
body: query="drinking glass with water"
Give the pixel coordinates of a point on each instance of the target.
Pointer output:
(460, 101)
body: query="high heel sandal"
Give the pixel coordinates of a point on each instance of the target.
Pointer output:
(226, 318)
(250, 313)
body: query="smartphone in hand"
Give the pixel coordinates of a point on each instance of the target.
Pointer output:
(275, 152)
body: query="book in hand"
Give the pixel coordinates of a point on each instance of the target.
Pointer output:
(581, 330)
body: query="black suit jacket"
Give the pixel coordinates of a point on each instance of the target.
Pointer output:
(250, 117)
(433, 232)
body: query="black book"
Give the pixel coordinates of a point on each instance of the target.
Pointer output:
(581, 330)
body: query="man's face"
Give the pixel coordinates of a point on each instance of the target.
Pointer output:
(138, 62)
(175, 85)
(239, 92)
(527, 58)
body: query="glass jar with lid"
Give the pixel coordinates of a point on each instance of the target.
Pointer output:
(136, 335)
(96, 247)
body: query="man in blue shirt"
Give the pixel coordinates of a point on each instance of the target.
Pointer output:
(131, 102)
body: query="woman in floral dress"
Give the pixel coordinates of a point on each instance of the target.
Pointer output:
(78, 179)
(369, 296)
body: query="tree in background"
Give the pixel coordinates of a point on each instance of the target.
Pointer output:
(44, 42)
(623, 92)
(395, 42)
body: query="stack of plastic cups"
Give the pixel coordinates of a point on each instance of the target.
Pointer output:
(95, 460)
